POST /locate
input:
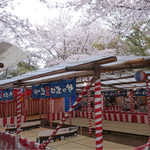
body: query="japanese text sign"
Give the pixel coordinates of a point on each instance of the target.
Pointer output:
(140, 92)
(6, 94)
(63, 88)
(115, 93)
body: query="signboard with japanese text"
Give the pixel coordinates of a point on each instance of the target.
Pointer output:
(140, 92)
(6, 94)
(109, 94)
(122, 93)
(63, 88)
(115, 93)
(36, 91)
(1, 95)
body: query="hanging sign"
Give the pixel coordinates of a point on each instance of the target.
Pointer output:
(140, 92)
(63, 88)
(123, 93)
(45, 90)
(6, 94)
(36, 91)
(110, 94)
(1, 95)
(115, 93)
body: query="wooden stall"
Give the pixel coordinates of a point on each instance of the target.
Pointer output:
(95, 68)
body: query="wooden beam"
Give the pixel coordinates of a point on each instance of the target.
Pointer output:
(61, 77)
(103, 85)
(123, 83)
(123, 66)
(89, 66)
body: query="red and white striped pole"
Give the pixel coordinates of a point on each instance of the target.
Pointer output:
(18, 116)
(132, 104)
(40, 108)
(131, 101)
(45, 109)
(51, 113)
(98, 115)
(67, 114)
(89, 110)
(70, 117)
(6, 110)
(148, 104)
(25, 105)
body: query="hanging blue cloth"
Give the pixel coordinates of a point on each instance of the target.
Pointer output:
(73, 99)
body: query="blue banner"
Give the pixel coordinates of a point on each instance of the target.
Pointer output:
(115, 93)
(6, 94)
(63, 88)
(1, 95)
(36, 91)
(73, 99)
(45, 90)
(109, 94)
(140, 92)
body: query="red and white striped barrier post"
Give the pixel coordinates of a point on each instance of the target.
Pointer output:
(148, 103)
(51, 113)
(6, 111)
(98, 115)
(67, 114)
(45, 108)
(70, 117)
(18, 116)
(131, 101)
(40, 108)
(25, 105)
(89, 110)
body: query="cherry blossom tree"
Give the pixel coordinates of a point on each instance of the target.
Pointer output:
(116, 16)
(60, 39)
(120, 15)
(100, 26)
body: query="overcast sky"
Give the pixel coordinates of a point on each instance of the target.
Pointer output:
(34, 10)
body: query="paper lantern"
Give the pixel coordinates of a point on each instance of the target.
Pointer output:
(140, 76)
